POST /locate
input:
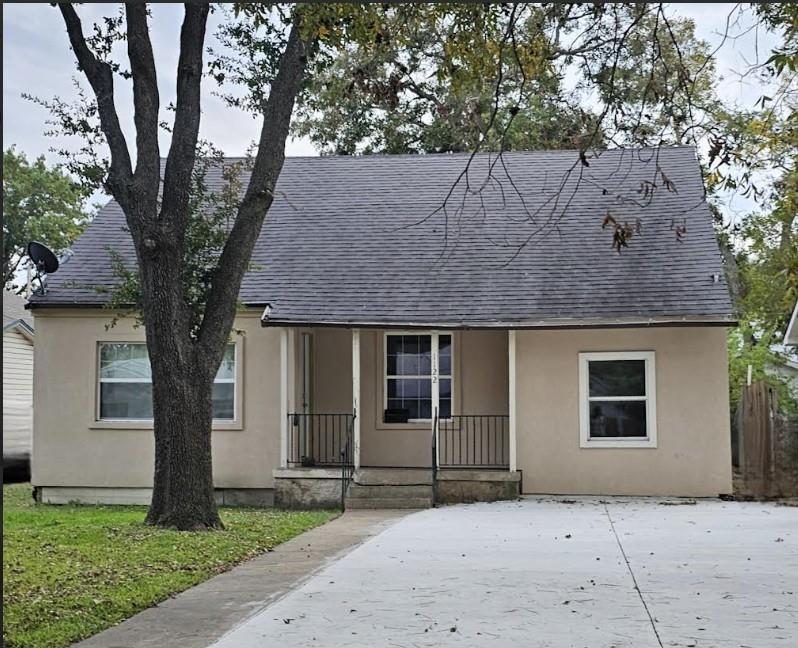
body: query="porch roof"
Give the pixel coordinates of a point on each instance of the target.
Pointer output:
(374, 241)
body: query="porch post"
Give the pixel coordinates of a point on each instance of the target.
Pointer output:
(283, 398)
(356, 395)
(435, 384)
(511, 398)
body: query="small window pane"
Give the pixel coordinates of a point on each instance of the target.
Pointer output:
(393, 388)
(391, 365)
(445, 345)
(410, 388)
(126, 400)
(617, 377)
(410, 344)
(412, 408)
(394, 344)
(445, 355)
(128, 361)
(617, 419)
(408, 365)
(446, 408)
(425, 409)
(223, 401)
(227, 370)
(445, 389)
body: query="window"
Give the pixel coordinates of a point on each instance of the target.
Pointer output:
(125, 390)
(617, 400)
(410, 374)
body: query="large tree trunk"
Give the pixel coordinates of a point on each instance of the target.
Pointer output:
(183, 495)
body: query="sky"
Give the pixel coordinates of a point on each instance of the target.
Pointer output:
(37, 60)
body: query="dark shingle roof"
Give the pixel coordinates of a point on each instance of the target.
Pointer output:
(351, 240)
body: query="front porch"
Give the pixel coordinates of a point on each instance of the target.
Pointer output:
(377, 418)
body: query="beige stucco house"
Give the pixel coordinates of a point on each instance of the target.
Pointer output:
(396, 343)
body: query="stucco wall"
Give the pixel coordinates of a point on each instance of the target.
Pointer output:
(693, 456)
(480, 385)
(71, 448)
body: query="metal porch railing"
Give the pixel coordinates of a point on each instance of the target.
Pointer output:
(474, 441)
(319, 439)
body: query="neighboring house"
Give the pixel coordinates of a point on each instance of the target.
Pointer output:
(791, 336)
(789, 370)
(18, 337)
(555, 364)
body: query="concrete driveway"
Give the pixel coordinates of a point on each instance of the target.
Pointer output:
(555, 572)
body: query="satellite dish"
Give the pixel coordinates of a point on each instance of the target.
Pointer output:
(43, 258)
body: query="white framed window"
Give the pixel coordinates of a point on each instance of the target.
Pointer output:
(124, 383)
(617, 400)
(417, 366)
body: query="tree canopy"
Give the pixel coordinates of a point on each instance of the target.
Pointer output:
(39, 204)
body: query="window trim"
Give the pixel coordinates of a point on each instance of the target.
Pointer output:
(235, 423)
(434, 334)
(649, 441)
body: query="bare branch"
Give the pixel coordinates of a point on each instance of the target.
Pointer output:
(182, 150)
(145, 102)
(100, 77)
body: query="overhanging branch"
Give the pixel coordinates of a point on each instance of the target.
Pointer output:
(100, 76)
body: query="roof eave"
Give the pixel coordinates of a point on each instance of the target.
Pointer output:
(22, 326)
(554, 323)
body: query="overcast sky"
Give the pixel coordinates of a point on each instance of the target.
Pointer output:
(37, 60)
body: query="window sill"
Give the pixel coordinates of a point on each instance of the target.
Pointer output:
(388, 427)
(148, 425)
(618, 443)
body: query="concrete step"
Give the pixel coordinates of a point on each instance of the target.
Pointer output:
(383, 491)
(388, 502)
(393, 476)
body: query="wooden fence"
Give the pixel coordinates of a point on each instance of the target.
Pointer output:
(767, 445)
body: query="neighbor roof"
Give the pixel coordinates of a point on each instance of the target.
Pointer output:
(367, 241)
(14, 313)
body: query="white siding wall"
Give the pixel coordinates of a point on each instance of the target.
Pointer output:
(17, 394)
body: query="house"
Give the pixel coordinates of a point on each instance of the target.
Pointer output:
(18, 337)
(496, 336)
(791, 335)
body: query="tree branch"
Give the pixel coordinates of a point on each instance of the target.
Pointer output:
(146, 102)
(182, 150)
(221, 308)
(100, 77)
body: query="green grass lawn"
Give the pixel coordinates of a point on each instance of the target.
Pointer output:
(71, 571)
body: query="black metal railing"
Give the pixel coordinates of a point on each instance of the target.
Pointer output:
(318, 439)
(474, 441)
(347, 460)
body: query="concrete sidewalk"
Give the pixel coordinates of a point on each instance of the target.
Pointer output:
(199, 616)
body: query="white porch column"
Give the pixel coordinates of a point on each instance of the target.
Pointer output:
(283, 398)
(511, 398)
(356, 395)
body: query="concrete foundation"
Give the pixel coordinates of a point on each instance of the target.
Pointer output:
(466, 486)
(307, 488)
(143, 496)
(388, 488)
